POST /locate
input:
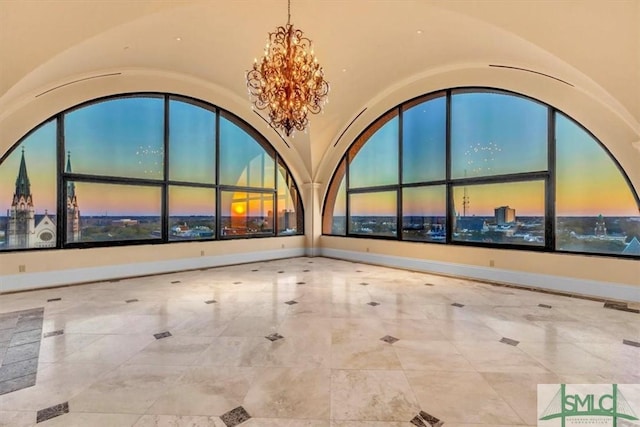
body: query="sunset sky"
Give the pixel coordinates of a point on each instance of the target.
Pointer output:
(489, 135)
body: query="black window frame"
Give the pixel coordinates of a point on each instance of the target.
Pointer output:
(63, 177)
(548, 176)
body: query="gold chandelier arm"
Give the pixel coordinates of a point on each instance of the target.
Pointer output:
(287, 80)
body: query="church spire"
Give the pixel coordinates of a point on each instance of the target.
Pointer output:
(23, 186)
(71, 187)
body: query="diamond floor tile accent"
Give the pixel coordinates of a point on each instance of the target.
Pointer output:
(544, 305)
(211, 301)
(301, 283)
(621, 306)
(389, 339)
(52, 412)
(426, 420)
(457, 304)
(175, 281)
(161, 335)
(53, 333)
(235, 417)
(280, 271)
(274, 337)
(237, 283)
(129, 301)
(363, 284)
(54, 299)
(373, 303)
(291, 302)
(429, 284)
(631, 343)
(509, 341)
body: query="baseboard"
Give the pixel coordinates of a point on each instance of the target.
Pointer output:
(26, 281)
(598, 289)
(568, 285)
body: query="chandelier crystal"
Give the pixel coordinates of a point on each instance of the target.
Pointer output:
(288, 81)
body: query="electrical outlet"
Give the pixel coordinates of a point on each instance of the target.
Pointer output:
(201, 253)
(367, 249)
(492, 263)
(22, 268)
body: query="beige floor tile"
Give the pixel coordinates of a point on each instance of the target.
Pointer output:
(57, 348)
(494, 356)
(128, 389)
(520, 391)
(364, 354)
(173, 350)
(17, 418)
(431, 356)
(111, 349)
(286, 393)
(342, 423)
(79, 419)
(178, 421)
(284, 422)
(460, 397)
(204, 391)
(566, 358)
(234, 351)
(364, 395)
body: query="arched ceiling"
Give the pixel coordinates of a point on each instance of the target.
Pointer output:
(371, 50)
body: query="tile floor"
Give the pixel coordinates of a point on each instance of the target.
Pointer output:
(299, 342)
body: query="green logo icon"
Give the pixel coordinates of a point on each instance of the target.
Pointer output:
(565, 405)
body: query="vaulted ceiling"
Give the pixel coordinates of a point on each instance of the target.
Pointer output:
(376, 53)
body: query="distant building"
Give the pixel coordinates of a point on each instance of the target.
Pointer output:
(471, 223)
(124, 222)
(601, 229)
(73, 211)
(25, 229)
(287, 220)
(22, 229)
(505, 215)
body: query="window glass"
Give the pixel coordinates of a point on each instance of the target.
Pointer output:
(595, 208)
(375, 160)
(288, 200)
(28, 196)
(243, 161)
(119, 137)
(373, 214)
(246, 214)
(335, 209)
(192, 213)
(510, 212)
(113, 212)
(494, 134)
(423, 141)
(192, 143)
(424, 213)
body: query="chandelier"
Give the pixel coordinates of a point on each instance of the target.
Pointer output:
(287, 80)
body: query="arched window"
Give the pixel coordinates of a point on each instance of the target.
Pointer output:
(483, 167)
(144, 168)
